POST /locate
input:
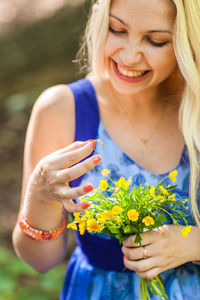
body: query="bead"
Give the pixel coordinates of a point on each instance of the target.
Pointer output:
(37, 234)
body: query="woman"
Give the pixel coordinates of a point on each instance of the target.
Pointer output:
(141, 98)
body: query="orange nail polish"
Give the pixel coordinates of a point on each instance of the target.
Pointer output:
(88, 141)
(85, 205)
(94, 144)
(96, 159)
(88, 188)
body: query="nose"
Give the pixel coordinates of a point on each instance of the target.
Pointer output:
(131, 54)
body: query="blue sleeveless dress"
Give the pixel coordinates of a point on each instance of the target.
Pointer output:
(95, 270)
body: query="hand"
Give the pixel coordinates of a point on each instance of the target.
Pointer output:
(51, 177)
(163, 248)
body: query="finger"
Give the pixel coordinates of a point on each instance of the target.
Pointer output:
(78, 170)
(150, 273)
(73, 146)
(71, 207)
(147, 238)
(130, 242)
(68, 158)
(66, 193)
(142, 265)
(134, 253)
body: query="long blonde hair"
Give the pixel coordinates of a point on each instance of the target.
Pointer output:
(187, 50)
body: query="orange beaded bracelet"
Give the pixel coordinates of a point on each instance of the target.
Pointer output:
(37, 234)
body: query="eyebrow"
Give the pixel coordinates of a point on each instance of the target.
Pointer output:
(165, 31)
(111, 15)
(150, 31)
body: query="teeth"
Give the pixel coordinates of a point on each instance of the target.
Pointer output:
(129, 73)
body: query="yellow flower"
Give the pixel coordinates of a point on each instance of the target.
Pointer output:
(185, 201)
(77, 217)
(92, 225)
(148, 221)
(163, 190)
(133, 214)
(103, 185)
(152, 191)
(82, 227)
(72, 226)
(172, 198)
(127, 183)
(106, 216)
(186, 230)
(83, 199)
(118, 219)
(84, 218)
(162, 198)
(187, 207)
(105, 172)
(116, 210)
(172, 175)
(122, 182)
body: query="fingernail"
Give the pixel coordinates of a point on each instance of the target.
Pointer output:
(96, 159)
(88, 188)
(88, 141)
(85, 205)
(94, 144)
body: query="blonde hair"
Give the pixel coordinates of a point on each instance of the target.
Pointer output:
(92, 48)
(187, 50)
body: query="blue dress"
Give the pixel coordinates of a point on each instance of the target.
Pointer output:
(95, 270)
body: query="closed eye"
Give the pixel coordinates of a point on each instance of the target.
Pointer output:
(116, 31)
(155, 43)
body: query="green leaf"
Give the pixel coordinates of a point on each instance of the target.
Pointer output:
(161, 218)
(114, 230)
(138, 239)
(127, 229)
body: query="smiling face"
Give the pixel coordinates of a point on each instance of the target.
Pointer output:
(138, 51)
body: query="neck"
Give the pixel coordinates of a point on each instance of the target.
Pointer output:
(140, 106)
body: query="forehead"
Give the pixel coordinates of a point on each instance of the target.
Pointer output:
(152, 12)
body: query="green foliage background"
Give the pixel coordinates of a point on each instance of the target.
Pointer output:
(33, 57)
(19, 281)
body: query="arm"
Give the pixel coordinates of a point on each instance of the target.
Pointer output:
(48, 154)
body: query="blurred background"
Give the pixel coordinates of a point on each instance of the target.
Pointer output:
(39, 40)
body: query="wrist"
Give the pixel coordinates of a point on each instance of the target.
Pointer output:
(194, 244)
(42, 213)
(38, 234)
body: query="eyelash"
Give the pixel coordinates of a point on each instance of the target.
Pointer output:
(148, 38)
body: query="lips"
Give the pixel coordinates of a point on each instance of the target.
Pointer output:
(129, 75)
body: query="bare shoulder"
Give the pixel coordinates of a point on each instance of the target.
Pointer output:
(56, 99)
(51, 125)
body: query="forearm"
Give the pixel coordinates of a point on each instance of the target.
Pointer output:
(45, 216)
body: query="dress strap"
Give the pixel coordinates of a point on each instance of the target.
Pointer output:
(87, 115)
(86, 110)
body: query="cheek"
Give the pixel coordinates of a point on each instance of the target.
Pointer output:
(163, 61)
(111, 46)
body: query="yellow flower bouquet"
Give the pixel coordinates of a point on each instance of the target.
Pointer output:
(124, 213)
